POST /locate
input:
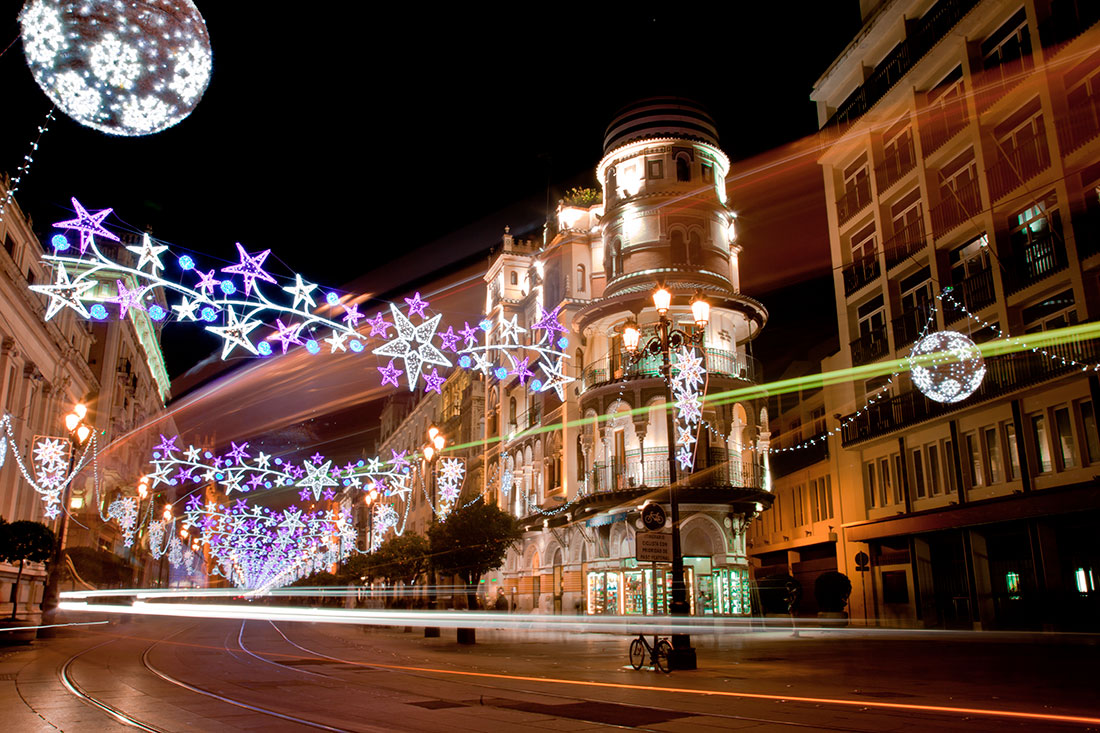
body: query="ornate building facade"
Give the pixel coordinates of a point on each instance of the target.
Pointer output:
(576, 470)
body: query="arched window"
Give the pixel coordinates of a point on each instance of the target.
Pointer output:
(695, 249)
(513, 278)
(580, 278)
(512, 410)
(683, 168)
(615, 259)
(578, 359)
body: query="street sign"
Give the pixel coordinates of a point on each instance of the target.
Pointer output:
(653, 546)
(863, 562)
(653, 517)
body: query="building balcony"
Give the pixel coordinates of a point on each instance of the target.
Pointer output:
(859, 273)
(1080, 126)
(975, 292)
(1086, 227)
(904, 244)
(909, 325)
(955, 207)
(1005, 373)
(652, 472)
(1017, 165)
(615, 368)
(870, 346)
(853, 201)
(1037, 260)
(894, 167)
(784, 463)
(939, 124)
(1067, 20)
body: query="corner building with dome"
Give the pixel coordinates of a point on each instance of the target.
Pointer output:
(576, 470)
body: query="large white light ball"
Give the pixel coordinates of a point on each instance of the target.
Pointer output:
(946, 366)
(123, 67)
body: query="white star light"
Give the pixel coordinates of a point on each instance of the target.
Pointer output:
(482, 362)
(185, 311)
(317, 478)
(263, 460)
(148, 253)
(301, 291)
(192, 453)
(336, 341)
(511, 330)
(555, 379)
(402, 345)
(64, 293)
(235, 333)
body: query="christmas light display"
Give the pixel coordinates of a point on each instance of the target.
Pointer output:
(123, 68)
(412, 344)
(47, 471)
(548, 349)
(449, 482)
(124, 510)
(688, 384)
(946, 366)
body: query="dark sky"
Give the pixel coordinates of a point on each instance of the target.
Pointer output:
(343, 136)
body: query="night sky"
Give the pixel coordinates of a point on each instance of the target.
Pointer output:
(344, 141)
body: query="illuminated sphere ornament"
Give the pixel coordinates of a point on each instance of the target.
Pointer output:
(123, 67)
(946, 366)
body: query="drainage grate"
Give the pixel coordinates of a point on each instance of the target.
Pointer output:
(598, 712)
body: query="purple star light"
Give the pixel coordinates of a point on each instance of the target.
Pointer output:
(89, 225)
(167, 445)
(469, 335)
(416, 305)
(237, 454)
(522, 371)
(250, 269)
(288, 334)
(352, 316)
(317, 458)
(379, 326)
(434, 382)
(449, 338)
(549, 322)
(207, 281)
(390, 374)
(128, 299)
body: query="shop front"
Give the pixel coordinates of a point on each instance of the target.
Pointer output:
(635, 589)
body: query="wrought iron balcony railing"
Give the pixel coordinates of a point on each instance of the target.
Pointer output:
(905, 243)
(870, 346)
(1017, 164)
(854, 200)
(615, 367)
(955, 207)
(859, 273)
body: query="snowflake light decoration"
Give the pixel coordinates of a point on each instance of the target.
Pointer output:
(123, 68)
(946, 366)
(125, 512)
(688, 383)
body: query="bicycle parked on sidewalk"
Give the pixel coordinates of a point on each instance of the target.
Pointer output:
(658, 652)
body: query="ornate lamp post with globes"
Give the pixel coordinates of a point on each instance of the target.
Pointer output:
(668, 338)
(431, 450)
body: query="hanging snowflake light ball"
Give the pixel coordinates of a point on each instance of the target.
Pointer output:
(123, 67)
(946, 366)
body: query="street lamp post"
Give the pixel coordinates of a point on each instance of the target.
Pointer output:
(431, 451)
(78, 435)
(667, 338)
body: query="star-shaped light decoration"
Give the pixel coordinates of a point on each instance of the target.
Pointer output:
(329, 494)
(235, 333)
(288, 334)
(237, 454)
(521, 369)
(390, 373)
(416, 305)
(555, 377)
(399, 461)
(207, 282)
(250, 268)
(167, 445)
(510, 331)
(128, 299)
(352, 316)
(469, 334)
(317, 478)
(379, 326)
(336, 341)
(263, 460)
(89, 225)
(192, 453)
(413, 344)
(300, 290)
(434, 382)
(64, 292)
(185, 311)
(548, 322)
(148, 253)
(449, 338)
(482, 362)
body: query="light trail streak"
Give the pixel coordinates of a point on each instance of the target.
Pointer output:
(55, 626)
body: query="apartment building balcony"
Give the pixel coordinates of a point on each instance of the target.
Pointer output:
(859, 273)
(1018, 164)
(652, 472)
(854, 200)
(895, 165)
(1086, 228)
(1067, 20)
(1005, 373)
(939, 124)
(975, 292)
(904, 244)
(957, 205)
(1080, 126)
(870, 346)
(1038, 260)
(615, 368)
(909, 325)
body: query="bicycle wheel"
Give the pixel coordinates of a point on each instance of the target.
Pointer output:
(663, 651)
(637, 654)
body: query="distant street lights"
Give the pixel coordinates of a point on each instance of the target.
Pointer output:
(431, 450)
(369, 500)
(668, 338)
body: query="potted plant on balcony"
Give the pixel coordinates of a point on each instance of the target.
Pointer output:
(831, 590)
(22, 542)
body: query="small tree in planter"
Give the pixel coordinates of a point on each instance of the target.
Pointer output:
(24, 542)
(831, 590)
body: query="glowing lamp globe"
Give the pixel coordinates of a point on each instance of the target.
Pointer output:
(133, 67)
(946, 366)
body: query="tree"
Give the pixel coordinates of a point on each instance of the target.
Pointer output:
(99, 567)
(401, 559)
(831, 590)
(23, 542)
(472, 541)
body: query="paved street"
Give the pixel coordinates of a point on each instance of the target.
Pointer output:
(176, 675)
